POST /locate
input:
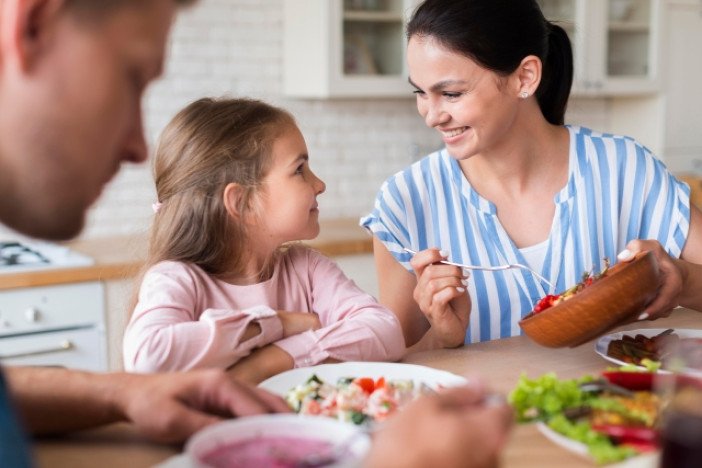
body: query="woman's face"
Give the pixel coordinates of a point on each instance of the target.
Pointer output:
(473, 108)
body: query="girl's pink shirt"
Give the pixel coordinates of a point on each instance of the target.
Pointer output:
(185, 319)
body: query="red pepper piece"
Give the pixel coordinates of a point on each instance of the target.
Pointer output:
(380, 383)
(642, 439)
(635, 381)
(627, 433)
(545, 302)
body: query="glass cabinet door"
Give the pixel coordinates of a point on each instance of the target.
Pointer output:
(373, 39)
(345, 48)
(614, 43)
(628, 38)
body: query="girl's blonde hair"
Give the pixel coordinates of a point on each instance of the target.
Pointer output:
(207, 145)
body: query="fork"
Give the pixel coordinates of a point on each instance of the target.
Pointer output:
(491, 268)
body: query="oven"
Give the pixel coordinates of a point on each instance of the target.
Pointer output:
(57, 325)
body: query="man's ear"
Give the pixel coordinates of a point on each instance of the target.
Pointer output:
(26, 29)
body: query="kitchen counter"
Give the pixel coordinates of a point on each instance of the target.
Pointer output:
(118, 258)
(500, 362)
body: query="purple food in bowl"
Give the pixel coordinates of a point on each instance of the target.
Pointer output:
(277, 441)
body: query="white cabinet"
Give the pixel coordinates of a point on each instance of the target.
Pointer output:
(58, 325)
(345, 48)
(616, 44)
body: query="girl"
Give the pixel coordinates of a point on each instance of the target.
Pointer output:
(222, 288)
(513, 183)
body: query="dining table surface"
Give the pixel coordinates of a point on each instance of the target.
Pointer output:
(499, 362)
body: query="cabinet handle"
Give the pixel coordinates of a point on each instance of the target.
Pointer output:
(65, 345)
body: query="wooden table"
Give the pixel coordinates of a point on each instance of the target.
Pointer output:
(500, 362)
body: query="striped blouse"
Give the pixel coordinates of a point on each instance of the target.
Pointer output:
(616, 191)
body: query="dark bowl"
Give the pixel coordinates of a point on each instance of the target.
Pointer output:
(614, 299)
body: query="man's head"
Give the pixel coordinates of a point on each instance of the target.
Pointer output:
(72, 74)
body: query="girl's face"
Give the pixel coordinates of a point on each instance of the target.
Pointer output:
(472, 107)
(287, 202)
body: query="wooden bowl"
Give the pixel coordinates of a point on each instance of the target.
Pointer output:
(610, 301)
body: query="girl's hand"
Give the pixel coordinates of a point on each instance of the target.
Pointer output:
(261, 364)
(298, 322)
(671, 278)
(441, 296)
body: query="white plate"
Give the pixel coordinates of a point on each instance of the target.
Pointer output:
(603, 343)
(559, 439)
(648, 460)
(281, 383)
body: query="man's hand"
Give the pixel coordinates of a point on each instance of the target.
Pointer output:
(171, 407)
(456, 428)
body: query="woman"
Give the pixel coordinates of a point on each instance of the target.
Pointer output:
(513, 184)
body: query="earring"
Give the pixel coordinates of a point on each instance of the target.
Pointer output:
(524, 95)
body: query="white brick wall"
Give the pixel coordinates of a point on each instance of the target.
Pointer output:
(234, 47)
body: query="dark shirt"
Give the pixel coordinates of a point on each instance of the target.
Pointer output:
(14, 447)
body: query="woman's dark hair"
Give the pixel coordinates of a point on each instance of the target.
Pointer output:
(498, 34)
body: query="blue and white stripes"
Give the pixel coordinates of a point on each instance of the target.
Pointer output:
(616, 191)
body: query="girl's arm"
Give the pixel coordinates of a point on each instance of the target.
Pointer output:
(261, 364)
(167, 332)
(354, 325)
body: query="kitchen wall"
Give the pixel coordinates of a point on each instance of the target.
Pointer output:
(234, 47)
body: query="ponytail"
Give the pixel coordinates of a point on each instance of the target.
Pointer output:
(557, 77)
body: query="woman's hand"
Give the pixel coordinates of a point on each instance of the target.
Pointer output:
(298, 322)
(671, 278)
(680, 280)
(455, 428)
(441, 296)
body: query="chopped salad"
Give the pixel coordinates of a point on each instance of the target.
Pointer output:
(588, 279)
(613, 427)
(354, 399)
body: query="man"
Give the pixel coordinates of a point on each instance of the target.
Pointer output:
(71, 80)
(72, 74)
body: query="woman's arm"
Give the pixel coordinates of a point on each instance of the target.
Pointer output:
(165, 407)
(395, 285)
(436, 314)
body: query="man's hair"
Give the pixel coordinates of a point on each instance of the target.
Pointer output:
(104, 6)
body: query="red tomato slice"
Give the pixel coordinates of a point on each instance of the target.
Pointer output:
(366, 383)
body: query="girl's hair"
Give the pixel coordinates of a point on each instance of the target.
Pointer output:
(498, 34)
(207, 145)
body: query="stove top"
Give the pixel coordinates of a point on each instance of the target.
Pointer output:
(34, 255)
